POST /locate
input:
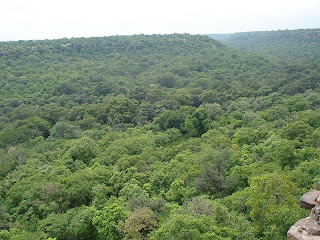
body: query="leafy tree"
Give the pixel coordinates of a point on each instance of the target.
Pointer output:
(187, 227)
(17, 234)
(106, 221)
(272, 200)
(166, 80)
(37, 126)
(65, 88)
(296, 130)
(214, 178)
(178, 192)
(64, 129)
(139, 224)
(52, 112)
(74, 224)
(283, 152)
(83, 150)
(117, 110)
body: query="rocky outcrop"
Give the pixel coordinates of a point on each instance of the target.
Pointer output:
(308, 228)
(310, 199)
(304, 229)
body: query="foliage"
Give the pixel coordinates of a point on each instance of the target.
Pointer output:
(157, 137)
(271, 198)
(139, 224)
(107, 219)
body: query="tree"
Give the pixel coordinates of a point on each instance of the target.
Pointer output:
(213, 178)
(17, 234)
(179, 192)
(106, 221)
(118, 110)
(189, 120)
(139, 224)
(65, 88)
(273, 205)
(166, 80)
(75, 224)
(197, 124)
(52, 112)
(282, 151)
(185, 226)
(82, 149)
(296, 130)
(37, 126)
(65, 129)
(214, 110)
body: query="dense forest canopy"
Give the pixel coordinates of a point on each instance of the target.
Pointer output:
(156, 137)
(294, 45)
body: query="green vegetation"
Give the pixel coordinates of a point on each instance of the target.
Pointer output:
(154, 137)
(293, 45)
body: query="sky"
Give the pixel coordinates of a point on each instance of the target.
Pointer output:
(52, 19)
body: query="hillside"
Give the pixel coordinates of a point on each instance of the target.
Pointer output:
(85, 69)
(153, 137)
(294, 45)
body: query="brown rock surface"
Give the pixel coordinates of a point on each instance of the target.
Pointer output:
(308, 228)
(308, 199)
(304, 229)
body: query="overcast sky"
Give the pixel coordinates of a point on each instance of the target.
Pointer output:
(51, 19)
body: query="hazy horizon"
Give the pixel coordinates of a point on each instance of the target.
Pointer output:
(36, 20)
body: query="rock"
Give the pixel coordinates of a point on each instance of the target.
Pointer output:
(304, 229)
(308, 228)
(308, 200)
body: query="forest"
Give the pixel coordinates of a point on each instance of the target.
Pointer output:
(160, 137)
(292, 45)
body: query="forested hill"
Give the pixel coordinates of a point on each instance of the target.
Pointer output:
(302, 45)
(153, 137)
(83, 70)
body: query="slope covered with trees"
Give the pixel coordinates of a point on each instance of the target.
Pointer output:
(153, 137)
(301, 45)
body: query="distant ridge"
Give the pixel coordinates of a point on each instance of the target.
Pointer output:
(301, 44)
